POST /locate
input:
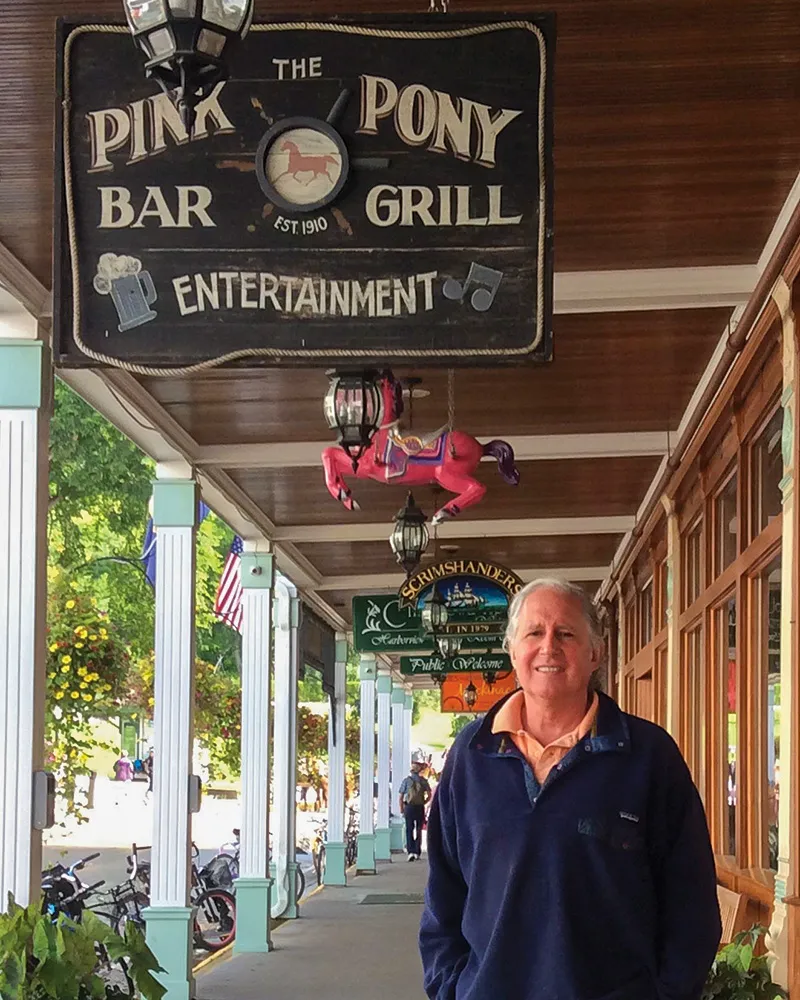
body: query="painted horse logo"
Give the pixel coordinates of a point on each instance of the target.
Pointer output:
(449, 458)
(299, 163)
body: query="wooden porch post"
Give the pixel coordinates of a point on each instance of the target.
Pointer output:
(674, 587)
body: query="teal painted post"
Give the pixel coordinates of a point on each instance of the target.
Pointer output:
(169, 936)
(254, 887)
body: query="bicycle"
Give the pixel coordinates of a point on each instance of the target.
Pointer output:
(318, 848)
(351, 838)
(63, 893)
(215, 907)
(228, 856)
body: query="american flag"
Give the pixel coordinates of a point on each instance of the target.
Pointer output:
(228, 603)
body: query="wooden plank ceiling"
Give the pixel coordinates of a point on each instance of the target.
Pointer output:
(676, 147)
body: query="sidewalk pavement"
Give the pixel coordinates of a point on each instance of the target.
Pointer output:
(344, 946)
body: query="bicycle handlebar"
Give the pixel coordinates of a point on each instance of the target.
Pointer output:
(84, 861)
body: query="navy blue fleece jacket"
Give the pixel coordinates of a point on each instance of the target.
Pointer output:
(597, 885)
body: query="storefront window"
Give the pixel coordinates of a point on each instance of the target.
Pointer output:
(727, 526)
(693, 563)
(726, 633)
(694, 714)
(770, 644)
(767, 473)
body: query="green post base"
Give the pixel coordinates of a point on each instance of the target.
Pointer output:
(335, 872)
(169, 936)
(291, 913)
(383, 849)
(396, 830)
(365, 858)
(253, 901)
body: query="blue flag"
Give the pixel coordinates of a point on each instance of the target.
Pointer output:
(148, 555)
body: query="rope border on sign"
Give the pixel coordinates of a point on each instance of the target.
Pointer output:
(285, 353)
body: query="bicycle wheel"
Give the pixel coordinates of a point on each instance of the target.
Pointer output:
(215, 919)
(300, 883)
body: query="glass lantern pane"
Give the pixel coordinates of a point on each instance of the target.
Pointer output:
(145, 14)
(161, 43)
(183, 8)
(211, 42)
(228, 14)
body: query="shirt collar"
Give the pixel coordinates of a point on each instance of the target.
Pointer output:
(509, 719)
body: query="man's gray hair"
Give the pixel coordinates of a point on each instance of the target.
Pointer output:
(587, 605)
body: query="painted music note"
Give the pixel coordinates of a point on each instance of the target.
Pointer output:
(485, 278)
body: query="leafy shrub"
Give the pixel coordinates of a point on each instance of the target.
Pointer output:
(739, 974)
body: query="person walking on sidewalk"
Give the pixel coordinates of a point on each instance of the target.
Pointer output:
(414, 795)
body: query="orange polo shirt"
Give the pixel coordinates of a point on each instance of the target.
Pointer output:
(542, 759)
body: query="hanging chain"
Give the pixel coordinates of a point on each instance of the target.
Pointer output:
(438, 6)
(451, 407)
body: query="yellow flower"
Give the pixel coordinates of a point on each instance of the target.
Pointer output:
(52, 674)
(93, 637)
(65, 670)
(70, 603)
(83, 685)
(87, 697)
(81, 671)
(151, 702)
(103, 633)
(64, 685)
(83, 632)
(66, 659)
(59, 695)
(74, 695)
(53, 647)
(93, 677)
(107, 687)
(79, 645)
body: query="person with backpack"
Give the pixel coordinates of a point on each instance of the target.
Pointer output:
(414, 795)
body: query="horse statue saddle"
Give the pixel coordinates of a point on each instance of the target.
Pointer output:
(399, 450)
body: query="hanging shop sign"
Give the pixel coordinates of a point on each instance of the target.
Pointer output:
(381, 625)
(474, 590)
(419, 666)
(455, 699)
(363, 189)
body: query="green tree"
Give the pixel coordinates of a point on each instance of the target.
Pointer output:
(459, 722)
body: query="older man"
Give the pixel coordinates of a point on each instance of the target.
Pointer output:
(568, 848)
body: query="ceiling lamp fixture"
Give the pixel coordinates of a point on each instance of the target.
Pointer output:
(439, 678)
(434, 613)
(187, 44)
(470, 695)
(354, 408)
(409, 537)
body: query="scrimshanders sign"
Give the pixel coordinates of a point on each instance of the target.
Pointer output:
(367, 189)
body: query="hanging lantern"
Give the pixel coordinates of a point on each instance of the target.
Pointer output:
(439, 678)
(409, 537)
(448, 645)
(490, 677)
(434, 613)
(354, 408)
(188, 44)
(470, 695)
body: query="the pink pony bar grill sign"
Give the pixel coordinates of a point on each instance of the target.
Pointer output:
(448, 458)
(368, 191)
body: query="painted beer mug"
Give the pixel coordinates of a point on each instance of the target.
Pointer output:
(132, 290)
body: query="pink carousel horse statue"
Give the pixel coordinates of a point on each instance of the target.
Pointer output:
(448, 458)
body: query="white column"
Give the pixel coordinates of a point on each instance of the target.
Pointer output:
(335, 847)
(24, 369)
(399, 763)
(169, 916)
(253, 885)
(365, 863)
(383, 850)
(407, 730)
(287, 620)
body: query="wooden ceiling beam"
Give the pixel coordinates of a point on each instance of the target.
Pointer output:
(369, 582)
(527, 448)
(652, 289)
(495, 528)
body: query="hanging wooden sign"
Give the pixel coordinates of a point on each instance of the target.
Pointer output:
(462, 663)
(366, 189)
